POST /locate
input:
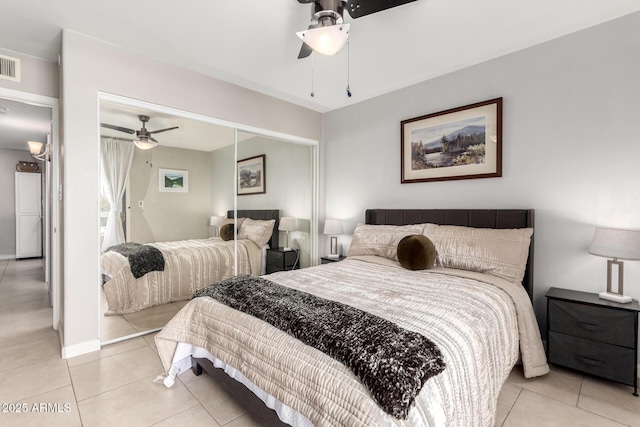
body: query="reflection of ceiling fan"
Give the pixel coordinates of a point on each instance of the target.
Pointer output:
(327, 33)
(143, 140)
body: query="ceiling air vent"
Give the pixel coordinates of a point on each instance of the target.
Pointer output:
(9, 68)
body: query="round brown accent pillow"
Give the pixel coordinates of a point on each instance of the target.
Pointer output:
(416, 252)
(226, 232)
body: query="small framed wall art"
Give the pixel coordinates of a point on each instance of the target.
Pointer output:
(460, 143)
(252, 178)
(173, 181)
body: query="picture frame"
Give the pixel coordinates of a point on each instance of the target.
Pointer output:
(459, 143)
(173, 181)
(252, 177)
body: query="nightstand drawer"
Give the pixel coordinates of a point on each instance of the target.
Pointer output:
(596, 323)
(604, 360)
(281, 259)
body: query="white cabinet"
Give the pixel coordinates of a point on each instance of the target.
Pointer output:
(28, 215)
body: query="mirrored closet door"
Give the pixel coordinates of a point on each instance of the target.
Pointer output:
(179, 191)
(286, 172)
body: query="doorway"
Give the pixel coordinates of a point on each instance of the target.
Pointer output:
(18, 128)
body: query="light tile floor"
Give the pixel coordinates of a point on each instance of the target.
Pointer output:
(114, 386)
(122, 325)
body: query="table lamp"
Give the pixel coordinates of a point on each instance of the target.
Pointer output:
(287, 224)
(616, 244)
(216, 221)
(333, 227)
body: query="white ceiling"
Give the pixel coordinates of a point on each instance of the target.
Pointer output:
(252, 43)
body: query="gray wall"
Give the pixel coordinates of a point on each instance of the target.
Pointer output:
(222, 182)
(570, 149)
(168, 216)
(8, 161)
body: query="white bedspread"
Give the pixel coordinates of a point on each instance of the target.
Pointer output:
(479, 322)
(189, 265)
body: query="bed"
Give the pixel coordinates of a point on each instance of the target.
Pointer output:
(189, 265)
(481, 323)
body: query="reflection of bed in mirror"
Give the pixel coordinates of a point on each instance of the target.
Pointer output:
(189, 265)
(477, 310)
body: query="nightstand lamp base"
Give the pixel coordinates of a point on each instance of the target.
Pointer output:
(333, 256)
(612, 296)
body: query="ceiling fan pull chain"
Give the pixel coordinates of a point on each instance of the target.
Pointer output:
(348, 68)
(312, 94)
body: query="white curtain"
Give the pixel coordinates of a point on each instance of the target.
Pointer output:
(116, 158)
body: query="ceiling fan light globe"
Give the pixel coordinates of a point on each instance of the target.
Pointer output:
(145, 145)
(326, 40)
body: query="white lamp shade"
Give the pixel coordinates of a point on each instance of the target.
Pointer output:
(333, 227)
(216, 221)
(35, 147)
(145, 145)
(326, 40)
(287, 224)
(616, 243)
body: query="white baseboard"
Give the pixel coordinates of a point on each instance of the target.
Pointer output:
(7, 257)
(80, 349)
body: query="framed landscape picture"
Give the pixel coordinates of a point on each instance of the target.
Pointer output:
(173, 181)
(252, 178)
(461, 143)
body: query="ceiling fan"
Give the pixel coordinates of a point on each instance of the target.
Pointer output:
(327, 33)
(143, 140)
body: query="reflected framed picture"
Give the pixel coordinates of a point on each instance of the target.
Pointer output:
(173, 181)
(460, 143)
(252, 177)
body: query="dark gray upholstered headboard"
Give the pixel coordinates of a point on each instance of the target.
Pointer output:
(263, 214)
(478, 218)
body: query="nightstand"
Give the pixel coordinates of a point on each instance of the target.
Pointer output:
(279, 259)
(593, 335)
(327, 260)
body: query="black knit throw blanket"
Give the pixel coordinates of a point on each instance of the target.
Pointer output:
(392, 362)
(142, 258)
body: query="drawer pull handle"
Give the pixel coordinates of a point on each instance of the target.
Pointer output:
(590, 326)
(588, 361)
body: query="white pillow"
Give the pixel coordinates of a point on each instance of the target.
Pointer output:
(230, 221)
(258, 231)
(380, 240)
(501, 252)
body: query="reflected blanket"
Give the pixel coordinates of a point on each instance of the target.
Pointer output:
(142, 259)
(392, 362)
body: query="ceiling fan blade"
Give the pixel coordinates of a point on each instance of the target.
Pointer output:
(305, 50)
(151, 139)
(118, 128)
(163, 130)
(306, 1)
(358, 8)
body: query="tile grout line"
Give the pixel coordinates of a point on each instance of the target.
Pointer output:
(3, 271)
(511, 408)
(75, 397)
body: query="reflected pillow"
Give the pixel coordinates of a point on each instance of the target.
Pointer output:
(230, 221)
(501, 252)
(226, 232)
(416, 252)
(258, 231)
(380, 240)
